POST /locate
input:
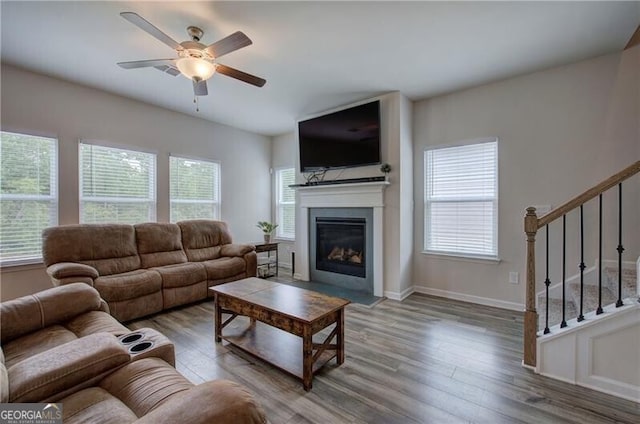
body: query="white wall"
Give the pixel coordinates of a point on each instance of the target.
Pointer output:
(396, 149)
(283, 155)
(561, 131)
(36, 104)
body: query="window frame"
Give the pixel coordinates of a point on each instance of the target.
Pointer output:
(495, 257)
(218, 204)
(54, 187)
(153, 180)
(278, 203)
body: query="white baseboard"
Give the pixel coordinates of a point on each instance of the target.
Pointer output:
(470, 298)
(285, 265)
(297, 276)
(399, 295)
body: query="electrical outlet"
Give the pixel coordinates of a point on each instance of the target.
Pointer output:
(513, 277)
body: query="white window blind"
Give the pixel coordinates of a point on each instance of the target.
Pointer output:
(116, 185)
(285, 203)
(461, 200)
(28, 195)
(194, 188)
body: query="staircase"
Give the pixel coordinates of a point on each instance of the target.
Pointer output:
(585, 329)
(590, 300)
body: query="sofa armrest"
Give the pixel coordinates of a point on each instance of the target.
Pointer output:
(71, 269)
(52, 306)
(220, 402)
(234, 249)
(66, 368)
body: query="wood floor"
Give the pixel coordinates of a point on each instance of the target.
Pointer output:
(422, 360)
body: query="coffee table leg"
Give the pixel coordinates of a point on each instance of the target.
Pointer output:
(218, 320)
(340, 337)
(307, 358)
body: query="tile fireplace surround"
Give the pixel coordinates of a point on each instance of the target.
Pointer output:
(355, 195)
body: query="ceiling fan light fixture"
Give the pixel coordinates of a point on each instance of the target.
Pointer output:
(193, 67)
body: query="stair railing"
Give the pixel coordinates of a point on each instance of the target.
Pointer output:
(531, 226)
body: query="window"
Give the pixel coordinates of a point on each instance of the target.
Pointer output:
(461, 200)
(116, 185)
(285, 203)
(195, 189)
(28, 195)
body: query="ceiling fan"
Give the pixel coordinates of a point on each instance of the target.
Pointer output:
(195, 60)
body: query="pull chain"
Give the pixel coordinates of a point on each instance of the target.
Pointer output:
(195, 100)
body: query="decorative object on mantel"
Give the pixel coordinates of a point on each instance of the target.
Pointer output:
(267, 228)
(385, 168)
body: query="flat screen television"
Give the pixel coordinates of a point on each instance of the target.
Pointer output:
(342, 139)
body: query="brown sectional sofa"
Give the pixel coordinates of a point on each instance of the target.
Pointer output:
(145, 268)
(60, 345)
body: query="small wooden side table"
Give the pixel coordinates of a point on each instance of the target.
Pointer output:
(267, 265)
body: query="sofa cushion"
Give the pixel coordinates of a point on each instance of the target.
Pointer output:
(109, 248)
(231, 404)
(145, 384)
(95, 405)
(180, 275)
(30, 313)
(128, 285)
(76, 364)
(24, 347)
(126, 310)
(159, 244)
(95, 322)
(201, 239)
(4, 384)
(221, 268)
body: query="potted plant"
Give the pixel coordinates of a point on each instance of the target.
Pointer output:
(267, 228)
(385, 168)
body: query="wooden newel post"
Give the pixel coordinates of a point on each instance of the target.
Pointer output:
(530, 314)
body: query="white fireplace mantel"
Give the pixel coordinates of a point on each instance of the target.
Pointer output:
(351, 195)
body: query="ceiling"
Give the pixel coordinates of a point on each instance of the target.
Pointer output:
(314, 55)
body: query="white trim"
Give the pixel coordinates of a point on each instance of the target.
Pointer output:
(18, 265)
(352, 195)
(512, 306)
(463, 258)
(399, 295)
(573, 346)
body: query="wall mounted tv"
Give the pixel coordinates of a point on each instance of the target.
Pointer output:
(342, 139)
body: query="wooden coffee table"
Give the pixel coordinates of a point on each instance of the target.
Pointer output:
(281, 325)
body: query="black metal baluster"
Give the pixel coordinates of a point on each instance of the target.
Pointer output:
(564, 257)
(599, 310)
(620, 248)
(581, 266)
(547, 282)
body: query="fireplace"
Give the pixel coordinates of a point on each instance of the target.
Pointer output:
(358, 200)
(341, 247)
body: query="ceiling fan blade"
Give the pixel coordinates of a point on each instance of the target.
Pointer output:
(168, 70)
(147, 63)
(634, 40)
(200, 88)
(239, 75)
(235, 41)
(149, 28)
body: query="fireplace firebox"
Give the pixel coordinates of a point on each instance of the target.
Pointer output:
(340, 245)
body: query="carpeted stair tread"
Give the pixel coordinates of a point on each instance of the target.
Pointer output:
(629, 281)
(555, 311)
(590, 302)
